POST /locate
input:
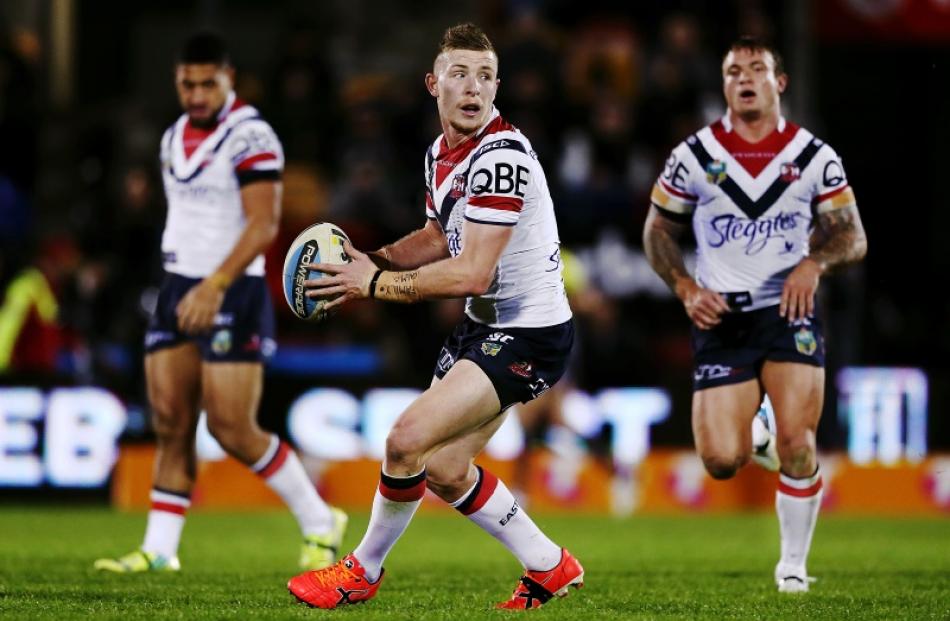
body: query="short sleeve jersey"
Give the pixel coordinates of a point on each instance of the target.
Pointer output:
(203, 177)
(495, 178)
(752, 206)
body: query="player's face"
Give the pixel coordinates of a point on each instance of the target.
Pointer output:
(202, 91)
(751, 87)
(464, 83)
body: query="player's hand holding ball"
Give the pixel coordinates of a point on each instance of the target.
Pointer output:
(340, 282)
(317, 248)
(323, 270)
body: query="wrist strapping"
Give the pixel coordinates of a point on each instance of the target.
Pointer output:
(219, 280)
(372, 284)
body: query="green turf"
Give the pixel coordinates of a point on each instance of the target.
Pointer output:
(236, 566)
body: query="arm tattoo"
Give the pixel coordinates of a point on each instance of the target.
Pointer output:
(398, 287)
(660, 241)
(838, 239)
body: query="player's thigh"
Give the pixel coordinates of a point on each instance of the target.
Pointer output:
(462, 401)
(173, 380)
(232, 392)
(450, 464)
(797, 392)
(722, 418)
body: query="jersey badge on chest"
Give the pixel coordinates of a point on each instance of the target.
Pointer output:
(458, 186)
(716, 172)
(790, 172)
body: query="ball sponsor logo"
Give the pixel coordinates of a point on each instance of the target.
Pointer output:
(307, 254)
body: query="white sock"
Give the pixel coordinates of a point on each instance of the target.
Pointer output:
(394, 504)
(166, 519)
(282, 471)
(797, 502)
(493, 507)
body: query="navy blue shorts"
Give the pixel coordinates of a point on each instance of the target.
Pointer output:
(243, 329)
(521, 363)
(734, 351)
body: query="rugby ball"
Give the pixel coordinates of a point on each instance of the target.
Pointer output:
(319, 243)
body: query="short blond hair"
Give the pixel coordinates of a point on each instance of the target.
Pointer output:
(465, 36)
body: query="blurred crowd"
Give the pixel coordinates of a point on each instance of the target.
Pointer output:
(602, 96)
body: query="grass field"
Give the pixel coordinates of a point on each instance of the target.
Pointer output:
(235, 566)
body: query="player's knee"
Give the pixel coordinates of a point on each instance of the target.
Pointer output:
(797, 454)
(403, 447)
(169, 421)
(722, 466)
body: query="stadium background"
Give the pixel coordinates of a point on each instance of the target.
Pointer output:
(603, 90)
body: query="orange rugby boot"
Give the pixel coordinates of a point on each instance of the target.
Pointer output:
(342, 583)
(537, 587)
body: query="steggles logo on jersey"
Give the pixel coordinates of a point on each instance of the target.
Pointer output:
(790, 172)
(805, 342)
(716, 172)
(755, 234)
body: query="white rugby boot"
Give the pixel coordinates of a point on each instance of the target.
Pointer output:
(764, 451)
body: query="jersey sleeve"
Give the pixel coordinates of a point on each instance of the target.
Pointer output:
(499, 179)
(829, 184)
(256, 152)
(673, 194)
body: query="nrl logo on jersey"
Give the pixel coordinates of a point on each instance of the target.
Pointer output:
(716, 172)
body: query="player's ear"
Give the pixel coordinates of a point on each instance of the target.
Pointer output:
(781, 80)
(432, 82)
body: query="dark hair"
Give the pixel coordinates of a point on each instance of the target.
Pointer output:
(755, 44)
(465, 36)
(204, 48)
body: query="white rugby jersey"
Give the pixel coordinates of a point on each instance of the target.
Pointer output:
(752, 205)
(203, 190)
(495, 178)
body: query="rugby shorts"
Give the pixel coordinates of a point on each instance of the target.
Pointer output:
(734, 351)
(243, 329)
(522, 363)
